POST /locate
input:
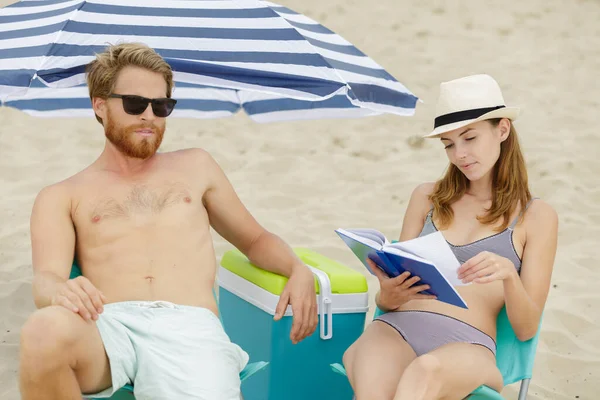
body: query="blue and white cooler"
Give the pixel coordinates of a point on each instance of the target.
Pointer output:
(248, 297)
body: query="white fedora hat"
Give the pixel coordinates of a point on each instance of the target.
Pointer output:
(466, 100)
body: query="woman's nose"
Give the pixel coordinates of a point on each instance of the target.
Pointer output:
(461, 152)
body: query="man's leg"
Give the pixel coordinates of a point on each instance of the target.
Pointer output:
(376, 361)
(61, 356)
(186, 355)
(450, 372)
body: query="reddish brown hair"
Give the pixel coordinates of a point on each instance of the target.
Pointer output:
(509, 185)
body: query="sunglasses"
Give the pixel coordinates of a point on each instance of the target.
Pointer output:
(135, 105)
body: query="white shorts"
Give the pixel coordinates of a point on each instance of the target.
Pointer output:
(169, 351)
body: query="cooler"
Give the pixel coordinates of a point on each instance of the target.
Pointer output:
(248, 297)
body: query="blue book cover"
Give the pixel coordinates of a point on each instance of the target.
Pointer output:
(365, 247)
(430, 275)
(429, 258)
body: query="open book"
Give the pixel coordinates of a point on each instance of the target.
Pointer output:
(428, 257)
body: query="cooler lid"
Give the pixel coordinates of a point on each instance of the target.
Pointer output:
(344, 280)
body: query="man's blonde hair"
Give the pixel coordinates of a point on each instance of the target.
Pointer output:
(103, 71)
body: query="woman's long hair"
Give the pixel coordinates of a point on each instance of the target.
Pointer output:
(509, 185)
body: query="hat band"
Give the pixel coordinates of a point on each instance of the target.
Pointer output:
(463, 115)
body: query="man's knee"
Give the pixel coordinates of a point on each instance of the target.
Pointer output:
(48, 332)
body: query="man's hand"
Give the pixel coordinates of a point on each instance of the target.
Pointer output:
(81, 297)
(300, 293)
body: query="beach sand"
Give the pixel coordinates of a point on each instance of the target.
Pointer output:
(302, 180)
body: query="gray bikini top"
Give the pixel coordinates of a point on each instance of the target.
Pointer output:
(500, 243)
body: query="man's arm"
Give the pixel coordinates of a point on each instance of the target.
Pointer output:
(53, 248)
(52, 242)
(230, 219)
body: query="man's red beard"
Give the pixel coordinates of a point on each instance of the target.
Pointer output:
(123, 138)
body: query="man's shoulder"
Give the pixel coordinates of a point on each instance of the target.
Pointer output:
(193, 155)
(62, 190)
(55, 195)
(189, 153)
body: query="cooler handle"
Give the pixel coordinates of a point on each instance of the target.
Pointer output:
(324, 303)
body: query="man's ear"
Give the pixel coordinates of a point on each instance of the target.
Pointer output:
(504, 128)
(99, 106)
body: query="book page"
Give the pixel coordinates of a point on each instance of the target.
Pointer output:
(361, 238)
(365, 248)
(370, 234)
(434, 248)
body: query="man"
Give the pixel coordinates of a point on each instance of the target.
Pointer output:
(138, 223)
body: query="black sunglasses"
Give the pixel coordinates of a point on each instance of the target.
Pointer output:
(135, 105)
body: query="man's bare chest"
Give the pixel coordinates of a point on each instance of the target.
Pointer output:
(121, 203)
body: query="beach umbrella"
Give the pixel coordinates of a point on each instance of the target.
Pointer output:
(226, 55)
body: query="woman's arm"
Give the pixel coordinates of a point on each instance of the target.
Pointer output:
(416, 211)
(414, 217)
(525, 296)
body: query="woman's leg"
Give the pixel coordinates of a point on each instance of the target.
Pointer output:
(449, 372)
(375, 362)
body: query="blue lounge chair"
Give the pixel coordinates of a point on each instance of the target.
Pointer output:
(126, 392)
(514, 359)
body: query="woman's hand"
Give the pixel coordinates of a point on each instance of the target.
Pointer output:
(487, 267)
(399, 290)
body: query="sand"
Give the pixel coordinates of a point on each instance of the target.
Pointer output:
(304, 179)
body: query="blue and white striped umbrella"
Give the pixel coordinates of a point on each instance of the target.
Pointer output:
(226, 55)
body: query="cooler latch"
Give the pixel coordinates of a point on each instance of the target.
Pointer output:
(325, 306)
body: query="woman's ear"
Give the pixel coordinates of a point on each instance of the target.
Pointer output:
(504, 128)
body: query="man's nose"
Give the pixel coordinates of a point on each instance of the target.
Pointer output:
(148, 114)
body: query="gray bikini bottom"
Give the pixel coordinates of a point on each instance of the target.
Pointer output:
(425, 331)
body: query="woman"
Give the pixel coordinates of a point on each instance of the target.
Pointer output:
(504, 239)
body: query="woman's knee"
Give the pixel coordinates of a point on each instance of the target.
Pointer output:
(348, 355)
(496, 380)
(426, 366)
(48, 332)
